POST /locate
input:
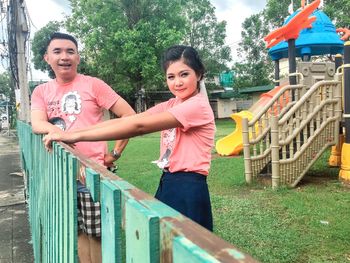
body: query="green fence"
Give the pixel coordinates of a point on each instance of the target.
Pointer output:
(136, 227)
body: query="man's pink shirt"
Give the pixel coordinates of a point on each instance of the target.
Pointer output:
(76, 105)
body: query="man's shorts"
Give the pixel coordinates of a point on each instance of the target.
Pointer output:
(89, 215)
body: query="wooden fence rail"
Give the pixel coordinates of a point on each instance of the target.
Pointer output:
(136, 227)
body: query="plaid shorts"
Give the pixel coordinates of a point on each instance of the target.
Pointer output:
(89, 215)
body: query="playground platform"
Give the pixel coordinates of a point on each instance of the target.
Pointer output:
(15, 236)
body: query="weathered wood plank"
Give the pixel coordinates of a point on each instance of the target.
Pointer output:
(185, 251)
(142, 234)
(93, 183)
(111, 221)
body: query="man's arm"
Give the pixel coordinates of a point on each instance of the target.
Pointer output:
(122, 109)
(40, 124)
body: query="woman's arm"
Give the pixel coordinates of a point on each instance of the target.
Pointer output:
(117, 129)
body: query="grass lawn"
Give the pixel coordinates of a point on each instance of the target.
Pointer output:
(309, 223)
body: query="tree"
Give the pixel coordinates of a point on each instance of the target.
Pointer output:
(276, 12)
(127, 52)
(207, 35)
(338, 11)
(6, 87)
(123, 40)
(39, 43)
(255, 67)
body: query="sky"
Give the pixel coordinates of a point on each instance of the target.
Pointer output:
(232, 11)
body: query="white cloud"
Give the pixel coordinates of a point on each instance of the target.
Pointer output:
(234, 12)
(254, 5)
(41, 12)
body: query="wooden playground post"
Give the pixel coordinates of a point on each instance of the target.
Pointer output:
(274, 152)
(246, 151)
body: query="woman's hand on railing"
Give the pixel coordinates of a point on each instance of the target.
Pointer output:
(66, 137)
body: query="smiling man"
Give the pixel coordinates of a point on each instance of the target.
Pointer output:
(73, 101)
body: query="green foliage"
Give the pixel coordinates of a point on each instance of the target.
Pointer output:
(255, 67)
(207, 35)
(276, 12)
(338, 11)
(124, 40)
(39, 43)
(6, 87)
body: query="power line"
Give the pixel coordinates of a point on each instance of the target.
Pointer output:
(17, 43)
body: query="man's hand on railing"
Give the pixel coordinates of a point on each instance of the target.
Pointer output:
(82, 175)
(109, 161)
(66, 137)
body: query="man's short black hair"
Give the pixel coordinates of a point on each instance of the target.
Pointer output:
(59, 35)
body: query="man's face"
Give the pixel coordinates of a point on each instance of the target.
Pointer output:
(62, 55)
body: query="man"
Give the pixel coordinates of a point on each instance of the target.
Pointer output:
(75, 101)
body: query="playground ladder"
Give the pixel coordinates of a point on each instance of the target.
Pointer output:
(256, 133)
(293, 141)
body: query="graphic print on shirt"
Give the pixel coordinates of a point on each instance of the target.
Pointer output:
(59, 122)
(168, 140)
(71, 105)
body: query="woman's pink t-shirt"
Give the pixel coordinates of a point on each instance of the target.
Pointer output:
(76, 105)
(187, 148)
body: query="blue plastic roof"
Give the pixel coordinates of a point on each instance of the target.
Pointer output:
(321, 39)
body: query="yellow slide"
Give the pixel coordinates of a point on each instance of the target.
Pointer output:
(232, 144)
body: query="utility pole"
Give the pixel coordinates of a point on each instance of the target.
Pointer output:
(18, 31)
(21, 36)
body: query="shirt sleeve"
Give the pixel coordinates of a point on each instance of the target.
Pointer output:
(105, 95)
(160, 107)
(37, 100)
(193, 112)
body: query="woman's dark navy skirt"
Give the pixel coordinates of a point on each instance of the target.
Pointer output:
(187, 193)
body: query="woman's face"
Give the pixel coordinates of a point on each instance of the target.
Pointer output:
(182, 80)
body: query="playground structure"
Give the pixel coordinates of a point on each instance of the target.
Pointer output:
(284, 134)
